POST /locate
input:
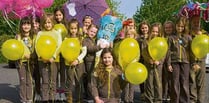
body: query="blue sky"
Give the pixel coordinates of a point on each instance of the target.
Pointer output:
(129, 7)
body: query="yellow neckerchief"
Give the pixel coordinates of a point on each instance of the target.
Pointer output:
(109, 75)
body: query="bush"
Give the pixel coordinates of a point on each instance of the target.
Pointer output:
(3, 38)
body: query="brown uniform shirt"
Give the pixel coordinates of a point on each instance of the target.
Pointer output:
(112, 88)
(92, 48)
(178, 48)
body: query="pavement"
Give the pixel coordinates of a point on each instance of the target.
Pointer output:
(9, 86)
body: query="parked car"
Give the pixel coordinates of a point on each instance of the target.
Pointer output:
(11, 64)
(207, 63)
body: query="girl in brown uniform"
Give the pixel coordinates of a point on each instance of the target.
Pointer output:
(23, 65)
(76, 68)
(90, 42)
(153, 84)
(48, 68)
(178, 62)
(107, 82)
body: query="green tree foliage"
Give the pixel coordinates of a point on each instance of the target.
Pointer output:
(113, 5)
(57, 3)
(161, 10)
(157, 10)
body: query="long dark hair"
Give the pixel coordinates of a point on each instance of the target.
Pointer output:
(100, 69)
(63, 13)
(25, 20)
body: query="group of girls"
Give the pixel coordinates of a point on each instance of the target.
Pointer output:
(178, 76)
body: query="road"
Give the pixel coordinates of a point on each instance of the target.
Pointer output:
(9, 85)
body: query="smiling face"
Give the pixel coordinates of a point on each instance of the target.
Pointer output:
(92, 31)
(26, 27)
(155, 31)
(144, 29)
(59, 16)
(180, 28)
(48, 25)
(107, 59)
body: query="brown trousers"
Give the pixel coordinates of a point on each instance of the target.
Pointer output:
(166, 82)
(153, 84)
(197, 84)
(48, 73)
(129, 93)
(180, 82)
(62, 73)
(26, 82)
(75, 79)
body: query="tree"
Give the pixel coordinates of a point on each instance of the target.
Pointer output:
(161, 10)
(157, 10)
(113, 5)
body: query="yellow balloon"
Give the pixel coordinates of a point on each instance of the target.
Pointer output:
(158, 48)
(12, 49)
(129, 51)
(62, 29)
(136, 73)
(70, 49)
(200, 46)
(45, 47)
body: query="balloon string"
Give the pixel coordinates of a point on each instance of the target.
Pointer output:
(5, 18)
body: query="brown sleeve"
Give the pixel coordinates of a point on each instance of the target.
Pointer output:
(91, 46)
(168, 55)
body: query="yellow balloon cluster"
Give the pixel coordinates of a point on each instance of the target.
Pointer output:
(62, 29)
(126, 51)
(136, 73)
(45, 47)
(200, 46)
(70, 49)
(158, 48)
(12, 49)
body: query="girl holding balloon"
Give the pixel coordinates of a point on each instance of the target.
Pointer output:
(107, 80)
(129, 89)
(23, 65)
(75, 68)
(178, 62)
(197, 71)
(153, 84)
(47, 46)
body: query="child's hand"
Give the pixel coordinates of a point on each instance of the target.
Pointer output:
(170, 68)
(27, 56)
(156, 62)
(195, 67)
(98, 100)
(51, 60)
(74, 63)
(151, 61)
(103, 45)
